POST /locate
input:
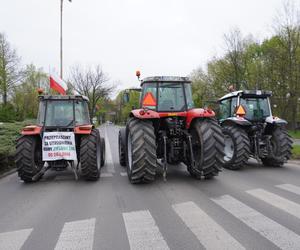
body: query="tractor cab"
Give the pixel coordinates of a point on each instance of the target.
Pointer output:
(166, 94)
(63, 112)
(252, 105)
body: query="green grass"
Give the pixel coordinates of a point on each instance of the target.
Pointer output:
(294, 134)
(296, 152)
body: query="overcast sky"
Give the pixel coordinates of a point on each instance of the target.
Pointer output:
(159, 37)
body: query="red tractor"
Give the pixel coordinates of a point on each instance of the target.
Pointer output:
(168, 127)
(63, 136)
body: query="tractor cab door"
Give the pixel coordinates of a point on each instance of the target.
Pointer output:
(227, 108)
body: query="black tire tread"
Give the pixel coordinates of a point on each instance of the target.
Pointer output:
(24, 158)
(122, 149)
(212, 149)
(241, 147)
(102, 142)
(285, 148)
(143, 151)
(88, 156)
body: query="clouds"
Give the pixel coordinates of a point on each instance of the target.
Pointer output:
(159, 37)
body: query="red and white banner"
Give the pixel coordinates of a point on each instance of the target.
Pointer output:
(58, 84)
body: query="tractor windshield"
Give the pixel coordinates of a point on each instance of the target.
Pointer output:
(170, 97)
(60, 113)
(256, 108)
(167, 96)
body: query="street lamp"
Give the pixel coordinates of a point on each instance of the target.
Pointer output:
(61, 38)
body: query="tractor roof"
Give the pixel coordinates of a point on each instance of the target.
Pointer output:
(175, 79)
(63, 97)
(247, 93)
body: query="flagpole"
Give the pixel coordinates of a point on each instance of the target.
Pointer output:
(61, 37)
(61, 40)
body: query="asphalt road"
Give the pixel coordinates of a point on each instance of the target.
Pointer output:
(257, 207)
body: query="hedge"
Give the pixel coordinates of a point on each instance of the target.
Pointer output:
(9, 132)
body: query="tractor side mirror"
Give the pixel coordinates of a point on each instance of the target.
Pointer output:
(126, 97)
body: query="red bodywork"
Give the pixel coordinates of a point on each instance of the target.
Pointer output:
(36, 130)
(190, 114)
(31, 130)
(83, 129)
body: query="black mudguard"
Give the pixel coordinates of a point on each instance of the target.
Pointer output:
(237, 120)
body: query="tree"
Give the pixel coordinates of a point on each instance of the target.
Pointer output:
(91, 82)
(10, 73)
(25, 96)
(235, 46)
(287, 28)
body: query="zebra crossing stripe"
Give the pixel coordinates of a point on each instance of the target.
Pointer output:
(279, 235)
(209, 233)
(277, 201)
(14, 240)
(142, 231)
(77, 235)
(291, 188)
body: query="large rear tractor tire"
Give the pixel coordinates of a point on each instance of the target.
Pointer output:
(122, 147)
(208, 148)
(237, 147)
(140, 151)
(90, 156)
(28, 157)
(102, 141)
(281, 144)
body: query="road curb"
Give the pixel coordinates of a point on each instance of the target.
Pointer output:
(294, 161)
(12, 171)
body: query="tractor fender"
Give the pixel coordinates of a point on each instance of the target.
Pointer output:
(144, 114)
(198, 113)
(275, 120)
(83, 129)
(31, 130)
(237, 120)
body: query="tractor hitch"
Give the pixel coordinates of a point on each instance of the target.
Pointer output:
(192, 159)
(45, 167)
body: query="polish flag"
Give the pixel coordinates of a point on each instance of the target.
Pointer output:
(58, 84)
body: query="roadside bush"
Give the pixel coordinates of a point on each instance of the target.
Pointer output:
(9, 132)
(7, 113)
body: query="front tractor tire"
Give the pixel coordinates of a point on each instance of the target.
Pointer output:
(281, 144)
(140, 151)
(90, 156)
(28, 157)
(237, 147)
(208, 147)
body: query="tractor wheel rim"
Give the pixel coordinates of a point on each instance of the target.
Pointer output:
(229, 148)
(129, 152)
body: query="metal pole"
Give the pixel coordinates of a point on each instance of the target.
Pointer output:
(61, 40)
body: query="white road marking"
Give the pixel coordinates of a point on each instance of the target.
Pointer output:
(77, 235)
(109, 159)
(123, 173)
(291, 188)
(106, 175)
(209, 233)
(279, 235)
(14, 240)
(277, 201)
(142, 231)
